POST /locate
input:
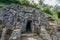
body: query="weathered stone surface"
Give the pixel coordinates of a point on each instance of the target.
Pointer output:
(54, 37)
(15, 34)
(16, 16)
(15, 11)
(45, 35)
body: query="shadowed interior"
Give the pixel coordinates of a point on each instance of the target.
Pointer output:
(28, 26)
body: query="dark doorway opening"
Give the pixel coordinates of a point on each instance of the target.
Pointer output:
(59, 15)
(28, 26)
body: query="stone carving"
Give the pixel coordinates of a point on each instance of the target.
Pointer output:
(16, 14)
(16, 17)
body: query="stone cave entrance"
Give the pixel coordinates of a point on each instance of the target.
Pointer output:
(28, 26)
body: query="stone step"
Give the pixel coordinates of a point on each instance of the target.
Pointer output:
(30, 36)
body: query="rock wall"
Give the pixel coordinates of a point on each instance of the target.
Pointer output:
(15, 18)
(18, 16)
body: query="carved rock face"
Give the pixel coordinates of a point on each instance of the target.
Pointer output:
(12, 14)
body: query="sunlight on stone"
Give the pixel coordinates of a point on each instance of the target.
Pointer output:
(14, 37)
(42, 27)
(52, 23)
(31, 39)
(16, 29)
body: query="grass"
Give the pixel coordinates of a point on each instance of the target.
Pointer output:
(54, 17)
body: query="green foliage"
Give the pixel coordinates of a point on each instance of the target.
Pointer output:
(54, 14)
(8, 1)
(21, 1)
(47, 10)
(27, 3)
(35, 5)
